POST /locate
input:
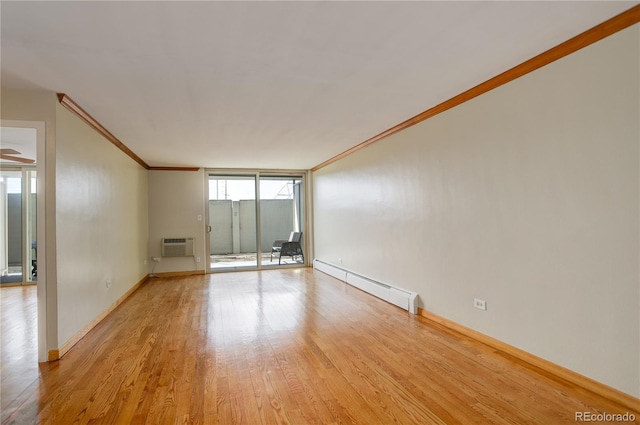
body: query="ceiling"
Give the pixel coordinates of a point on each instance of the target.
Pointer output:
(276, 85)
(22, 140)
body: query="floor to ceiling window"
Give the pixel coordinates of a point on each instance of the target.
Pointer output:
(255, 220)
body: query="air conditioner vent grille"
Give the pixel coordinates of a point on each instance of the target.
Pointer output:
(177, 247)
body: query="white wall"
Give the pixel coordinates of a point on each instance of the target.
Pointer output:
(36, 109)
(176, 199)
(526, 197)
(101, 222)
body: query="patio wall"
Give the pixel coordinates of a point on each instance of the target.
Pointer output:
(233, 224)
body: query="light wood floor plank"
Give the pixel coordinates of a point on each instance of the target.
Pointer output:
(19, 357)
(288, 346)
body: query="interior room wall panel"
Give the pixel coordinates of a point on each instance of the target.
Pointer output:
(176, 201)
(526, 197)
(38, 108)
(101, 222)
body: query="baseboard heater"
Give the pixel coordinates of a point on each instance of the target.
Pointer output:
(403, 298)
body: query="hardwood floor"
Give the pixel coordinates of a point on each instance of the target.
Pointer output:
(285, 347)
(19, 338)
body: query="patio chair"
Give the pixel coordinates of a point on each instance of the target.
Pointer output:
(289, 248)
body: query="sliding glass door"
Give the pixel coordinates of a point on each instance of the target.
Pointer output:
(281, 219)
(255, 220)
(232, 222)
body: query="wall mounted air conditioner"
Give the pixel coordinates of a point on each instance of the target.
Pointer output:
(177, 247)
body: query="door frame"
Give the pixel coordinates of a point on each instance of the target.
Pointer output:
(41, 252)
(208, 225)
(257, 173)
(25, 214)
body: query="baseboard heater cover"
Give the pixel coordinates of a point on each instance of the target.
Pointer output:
(402, 298)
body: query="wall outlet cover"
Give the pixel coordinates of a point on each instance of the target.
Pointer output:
(480, 304)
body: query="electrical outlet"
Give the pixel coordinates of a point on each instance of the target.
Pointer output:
(480, 304)
(107, 284)
(197, 259)
(145, 261)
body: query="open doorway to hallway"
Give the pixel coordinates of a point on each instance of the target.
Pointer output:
(23, 237)
(18, 203)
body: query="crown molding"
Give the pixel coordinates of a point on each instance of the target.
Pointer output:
(173, 168)
(595, 34)
(68, 103)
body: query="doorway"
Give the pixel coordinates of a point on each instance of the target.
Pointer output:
(18, 256)
(250, 215)
(22, 170)
(18, 206)
(232, 222)
(281, 218)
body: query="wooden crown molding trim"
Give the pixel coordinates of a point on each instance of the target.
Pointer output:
(561, 372)
(68, 103)
(593, 35)
(174, 168)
